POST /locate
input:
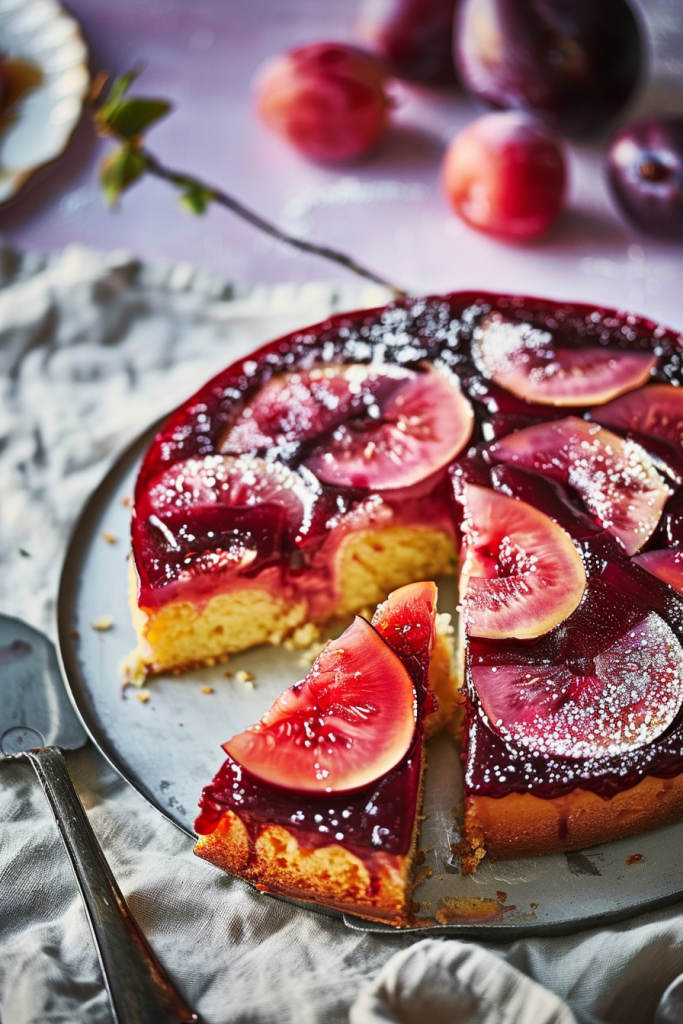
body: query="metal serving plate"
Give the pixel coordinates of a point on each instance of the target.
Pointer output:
(169, 747)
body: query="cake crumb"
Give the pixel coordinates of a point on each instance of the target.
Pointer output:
(304, 636)
(109, 536)
(102, 624)
(228, 674)
(126, 502)
(207, 689)
(74, 634)
(244, 677)
(635, 858)
(143, 696)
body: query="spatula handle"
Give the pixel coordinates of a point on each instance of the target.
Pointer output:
(139, 989)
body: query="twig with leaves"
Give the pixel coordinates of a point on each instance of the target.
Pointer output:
(124, 118)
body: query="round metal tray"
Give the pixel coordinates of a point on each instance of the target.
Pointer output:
(169, 747)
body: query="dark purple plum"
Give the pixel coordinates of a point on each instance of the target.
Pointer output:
(645, 172)
(574, 63)
(413, 36)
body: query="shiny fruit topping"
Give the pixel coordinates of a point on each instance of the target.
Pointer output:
(574, 63)
(655, 411)
(521, 574)
(420, 427)
(666, 565)
(295, 408)
(327, 99)
(505, 174)
(645, 172)
(350, 721)
(525, 360)
(413, 36)
(243, 482)
(615, 479)
(381, 427)
(627, 697)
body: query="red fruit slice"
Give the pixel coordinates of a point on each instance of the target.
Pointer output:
(616, 479)
(521, 574)
(525, 360)
(655, 411)
(666, 565)
(237, 482)
(349, 722)
(296, 407)
(406, 621)
(419, 429)
(631, 695)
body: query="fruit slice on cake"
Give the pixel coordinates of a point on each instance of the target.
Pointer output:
(320, 799)
(528, 362)
(615, 479)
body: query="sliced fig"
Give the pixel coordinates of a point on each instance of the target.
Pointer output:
(526, 361)
(615, 478)
(666, 565)
(350, 721)
(628, 697)
(417, 430)
(521, 574)
(296, 407)
(654, 411)
(236, 482)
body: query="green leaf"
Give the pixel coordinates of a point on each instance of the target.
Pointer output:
(196, 199)
(119, 171)
(117, 90)
(132, 117)
(24, 553)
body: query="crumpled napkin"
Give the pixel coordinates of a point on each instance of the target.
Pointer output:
(445, 982)
(442, 981)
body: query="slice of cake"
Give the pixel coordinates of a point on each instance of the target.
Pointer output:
(575, 665)
(321, 799)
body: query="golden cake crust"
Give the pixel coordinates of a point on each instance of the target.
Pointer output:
(524, 825)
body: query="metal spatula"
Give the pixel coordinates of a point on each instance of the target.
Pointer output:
(37, 722)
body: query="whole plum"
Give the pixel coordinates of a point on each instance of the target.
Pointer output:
(413, 36)
(327, 99)
(505, 174)
(645, 172)
(574, 63)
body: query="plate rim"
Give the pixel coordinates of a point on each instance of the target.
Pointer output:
(77, 691)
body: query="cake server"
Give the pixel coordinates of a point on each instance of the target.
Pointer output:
(37, 722)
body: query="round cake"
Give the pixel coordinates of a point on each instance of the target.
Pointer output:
(535, 448)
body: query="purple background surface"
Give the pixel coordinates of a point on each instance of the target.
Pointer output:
(389, 210)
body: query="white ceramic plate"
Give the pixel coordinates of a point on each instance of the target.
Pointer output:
(47, 62)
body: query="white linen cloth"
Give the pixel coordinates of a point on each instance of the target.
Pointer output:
(92, 349)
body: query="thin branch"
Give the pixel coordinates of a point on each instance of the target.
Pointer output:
(186, 181)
